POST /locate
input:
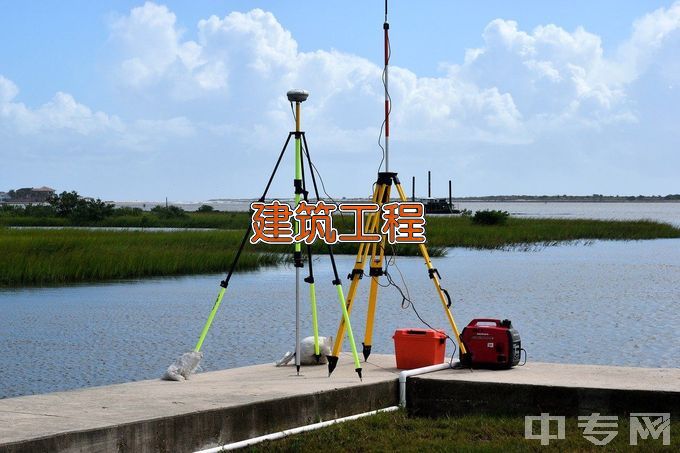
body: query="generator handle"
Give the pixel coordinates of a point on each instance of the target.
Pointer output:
(474, 322)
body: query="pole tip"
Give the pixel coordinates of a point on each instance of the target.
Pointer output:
(358, 370)
(366, 351)
(332, 363)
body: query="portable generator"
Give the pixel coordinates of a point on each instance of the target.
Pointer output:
(491, 343)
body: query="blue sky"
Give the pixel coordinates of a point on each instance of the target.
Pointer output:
(134, 100)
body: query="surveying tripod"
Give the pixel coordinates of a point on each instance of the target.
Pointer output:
(301, 154)
(381, 195)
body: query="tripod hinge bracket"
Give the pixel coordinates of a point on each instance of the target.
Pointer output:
(376, 272)
(359, 272)
(434, 271)
(309, 279)
(224, 283)
(386, 178)
(336, 282)
(298, 187)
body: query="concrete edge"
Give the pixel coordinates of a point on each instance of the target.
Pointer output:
(210, 428)
(436, 398)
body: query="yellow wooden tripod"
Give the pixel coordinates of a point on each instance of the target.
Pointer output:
(381, 195)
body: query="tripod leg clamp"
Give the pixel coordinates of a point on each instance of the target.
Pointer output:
(359, 272)
(376, 272)
(432, 272)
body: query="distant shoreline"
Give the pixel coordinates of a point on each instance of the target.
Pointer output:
(485, 199)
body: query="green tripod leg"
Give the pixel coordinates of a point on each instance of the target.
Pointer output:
(211, 316)
(312, 298)
(224, 283)
(333, 359)
(300, 170)
(352, 344)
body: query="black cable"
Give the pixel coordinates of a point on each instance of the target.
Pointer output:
(389, 97)
(406, 301)
(313, 170)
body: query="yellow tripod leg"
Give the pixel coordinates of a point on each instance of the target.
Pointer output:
(376, 266)
(376, 270)
(315, 322)
(435, 279)
(357, 272)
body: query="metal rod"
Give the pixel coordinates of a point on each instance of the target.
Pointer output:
(450, 195)
(298, 251)
(297, 319)
(429, 184)
(413, 188)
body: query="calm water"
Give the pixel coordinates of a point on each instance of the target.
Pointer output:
(668, 212)
(612, 303)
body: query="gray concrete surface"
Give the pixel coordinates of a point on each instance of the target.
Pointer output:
(561, 375)
(230, 405)
(546, 387)
(210, 409)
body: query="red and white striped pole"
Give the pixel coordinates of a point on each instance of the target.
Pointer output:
(386, 28)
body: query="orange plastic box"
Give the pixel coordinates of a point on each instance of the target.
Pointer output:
(417, 348)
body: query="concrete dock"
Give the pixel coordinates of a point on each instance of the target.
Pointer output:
(219, 407)
(558, 389)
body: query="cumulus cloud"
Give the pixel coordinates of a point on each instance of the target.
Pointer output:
(513, 88)
(652, 34)
(61, 113)
(72, 124)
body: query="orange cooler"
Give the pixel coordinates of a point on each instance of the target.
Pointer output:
(416, 348)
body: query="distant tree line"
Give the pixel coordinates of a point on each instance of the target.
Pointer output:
(71, 205)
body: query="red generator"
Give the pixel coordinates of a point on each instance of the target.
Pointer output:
(491, 343)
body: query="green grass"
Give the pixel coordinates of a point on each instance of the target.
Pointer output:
(220, 220)
(48, 257)
(460, 232)
(394, 431)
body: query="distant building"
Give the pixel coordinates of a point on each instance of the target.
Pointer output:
(43, 192)
(31, 195)
(4, 196)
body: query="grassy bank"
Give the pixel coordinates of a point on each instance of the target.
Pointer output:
(460, 232)
(395, 431)
(441, 231)
(47, 257)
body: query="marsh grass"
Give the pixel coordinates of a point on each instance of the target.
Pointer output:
(522, 233)
(48, 257)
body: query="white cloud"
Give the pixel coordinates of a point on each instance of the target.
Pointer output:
(71, 124)
(8, 90)
(222, 92)
(61, 113)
